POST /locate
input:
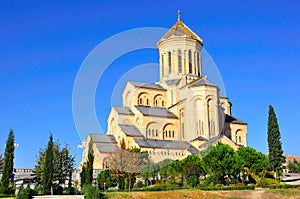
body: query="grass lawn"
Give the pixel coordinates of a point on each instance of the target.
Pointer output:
(195, 194)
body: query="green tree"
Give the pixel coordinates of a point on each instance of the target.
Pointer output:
(293, 166)
(63, 163)
(222, 163)
(83, 176)
(106, 177)
(89, 166)
(1, 163)
(192, 168)
(8, 164)
(276, 157)
(253, 161)
(47, 177)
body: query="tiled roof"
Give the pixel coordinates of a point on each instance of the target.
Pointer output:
(107, 148)
(130, 130)
(146, 85)
(165, 144)
(156, 111)
(123, 110)
(231, 119)
(103, 138)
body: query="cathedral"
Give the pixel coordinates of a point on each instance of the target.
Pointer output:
(179, 115)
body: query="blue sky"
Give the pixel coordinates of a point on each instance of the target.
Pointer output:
(256, 46)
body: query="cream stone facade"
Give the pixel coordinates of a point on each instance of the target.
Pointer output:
(181, 114)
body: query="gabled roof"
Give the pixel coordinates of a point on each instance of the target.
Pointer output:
(106, 148)
(156, 111)
(165, 144)
(201, 138)
(211, 141)
(130, 130)
(179, 29)
(234, 120)
(172, 81)
(103, 138)
(146, 85)
(202, 82)
(123, 110)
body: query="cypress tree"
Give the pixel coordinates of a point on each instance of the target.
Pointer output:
(89, 166)
(275, 147)
(83, 176)
(8, 164)
(48, 167)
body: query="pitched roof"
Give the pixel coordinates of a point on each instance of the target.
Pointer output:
(106, 148)
(201, 138)
(123, 110)
(172, 81)
(165, 144)
(103, 138)
(156, 111)
(146, 85)
(231, 119)
(202, 82)
(130, 130)
(210, 141)
(179, 29)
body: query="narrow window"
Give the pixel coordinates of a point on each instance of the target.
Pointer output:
(190, 62)
(198, 63)
(173, 133)
(147, 101)
(170, 62)
(162, 103)
(156, 132)
(179, 62)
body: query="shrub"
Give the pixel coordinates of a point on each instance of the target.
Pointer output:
(91, 192)
(266, 182)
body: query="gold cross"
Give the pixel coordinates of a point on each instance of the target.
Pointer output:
(178, 15)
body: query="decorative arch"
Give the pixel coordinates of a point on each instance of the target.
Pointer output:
(238, 136)
(143, 99)
(159, 100)
(169, 131)
(152, 130)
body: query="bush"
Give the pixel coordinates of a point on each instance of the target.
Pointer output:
(226, 188)
(91, 192)
(139, 184)
(266, 182)
(25, 193)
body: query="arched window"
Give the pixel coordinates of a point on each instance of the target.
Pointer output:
(170, 61)
(140, 101)
(162, 103)
(156, 132)
(179, 62)
(190, 62)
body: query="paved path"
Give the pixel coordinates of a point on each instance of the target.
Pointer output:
(291, 178)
